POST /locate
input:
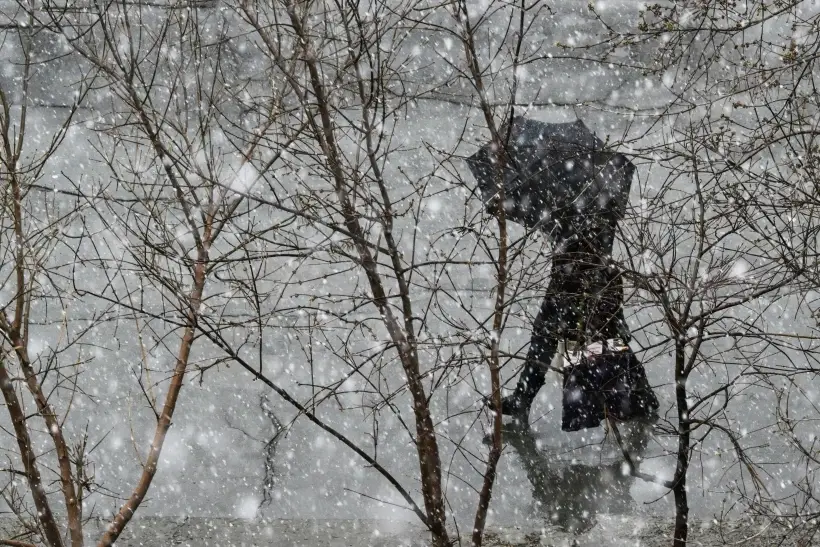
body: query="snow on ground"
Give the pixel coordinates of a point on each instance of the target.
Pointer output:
(609, 531)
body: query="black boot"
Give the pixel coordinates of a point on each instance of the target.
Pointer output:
(518, 404)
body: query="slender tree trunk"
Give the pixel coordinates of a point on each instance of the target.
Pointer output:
(73, 509)
(430, 465)
(35, 482)
(17, 334)
(495, 376)
(128, 509)
(426, 443)
(681, 501)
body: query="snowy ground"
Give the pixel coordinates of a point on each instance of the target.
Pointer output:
(609, 530)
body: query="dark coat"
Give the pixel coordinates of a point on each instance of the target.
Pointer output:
(559, 178)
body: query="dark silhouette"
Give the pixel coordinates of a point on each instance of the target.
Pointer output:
(558, 178)
(570, 495)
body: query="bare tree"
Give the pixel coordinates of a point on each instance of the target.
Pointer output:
(173, 166)
(264, 172)
(39, 384)
(156, 221)
(717, 248)
(345, 80)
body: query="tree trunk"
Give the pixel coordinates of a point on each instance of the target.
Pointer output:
(29, 459)
(495, 376)
(129, 508)
(430, 465)
(681, 501)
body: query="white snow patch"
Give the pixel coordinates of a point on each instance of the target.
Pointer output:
(644, 491)
(247, 508)
(36, 346)
(245, 178)
(175, 453)
(739, 269)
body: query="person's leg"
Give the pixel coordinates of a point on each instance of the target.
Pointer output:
(613, 309)
(546, 331)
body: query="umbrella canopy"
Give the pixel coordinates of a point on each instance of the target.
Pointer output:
(557, 178)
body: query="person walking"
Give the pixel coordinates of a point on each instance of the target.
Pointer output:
(560, 180)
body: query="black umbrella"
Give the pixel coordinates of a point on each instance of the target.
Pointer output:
(557, 177)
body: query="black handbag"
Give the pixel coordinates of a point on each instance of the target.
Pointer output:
(612, 383)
